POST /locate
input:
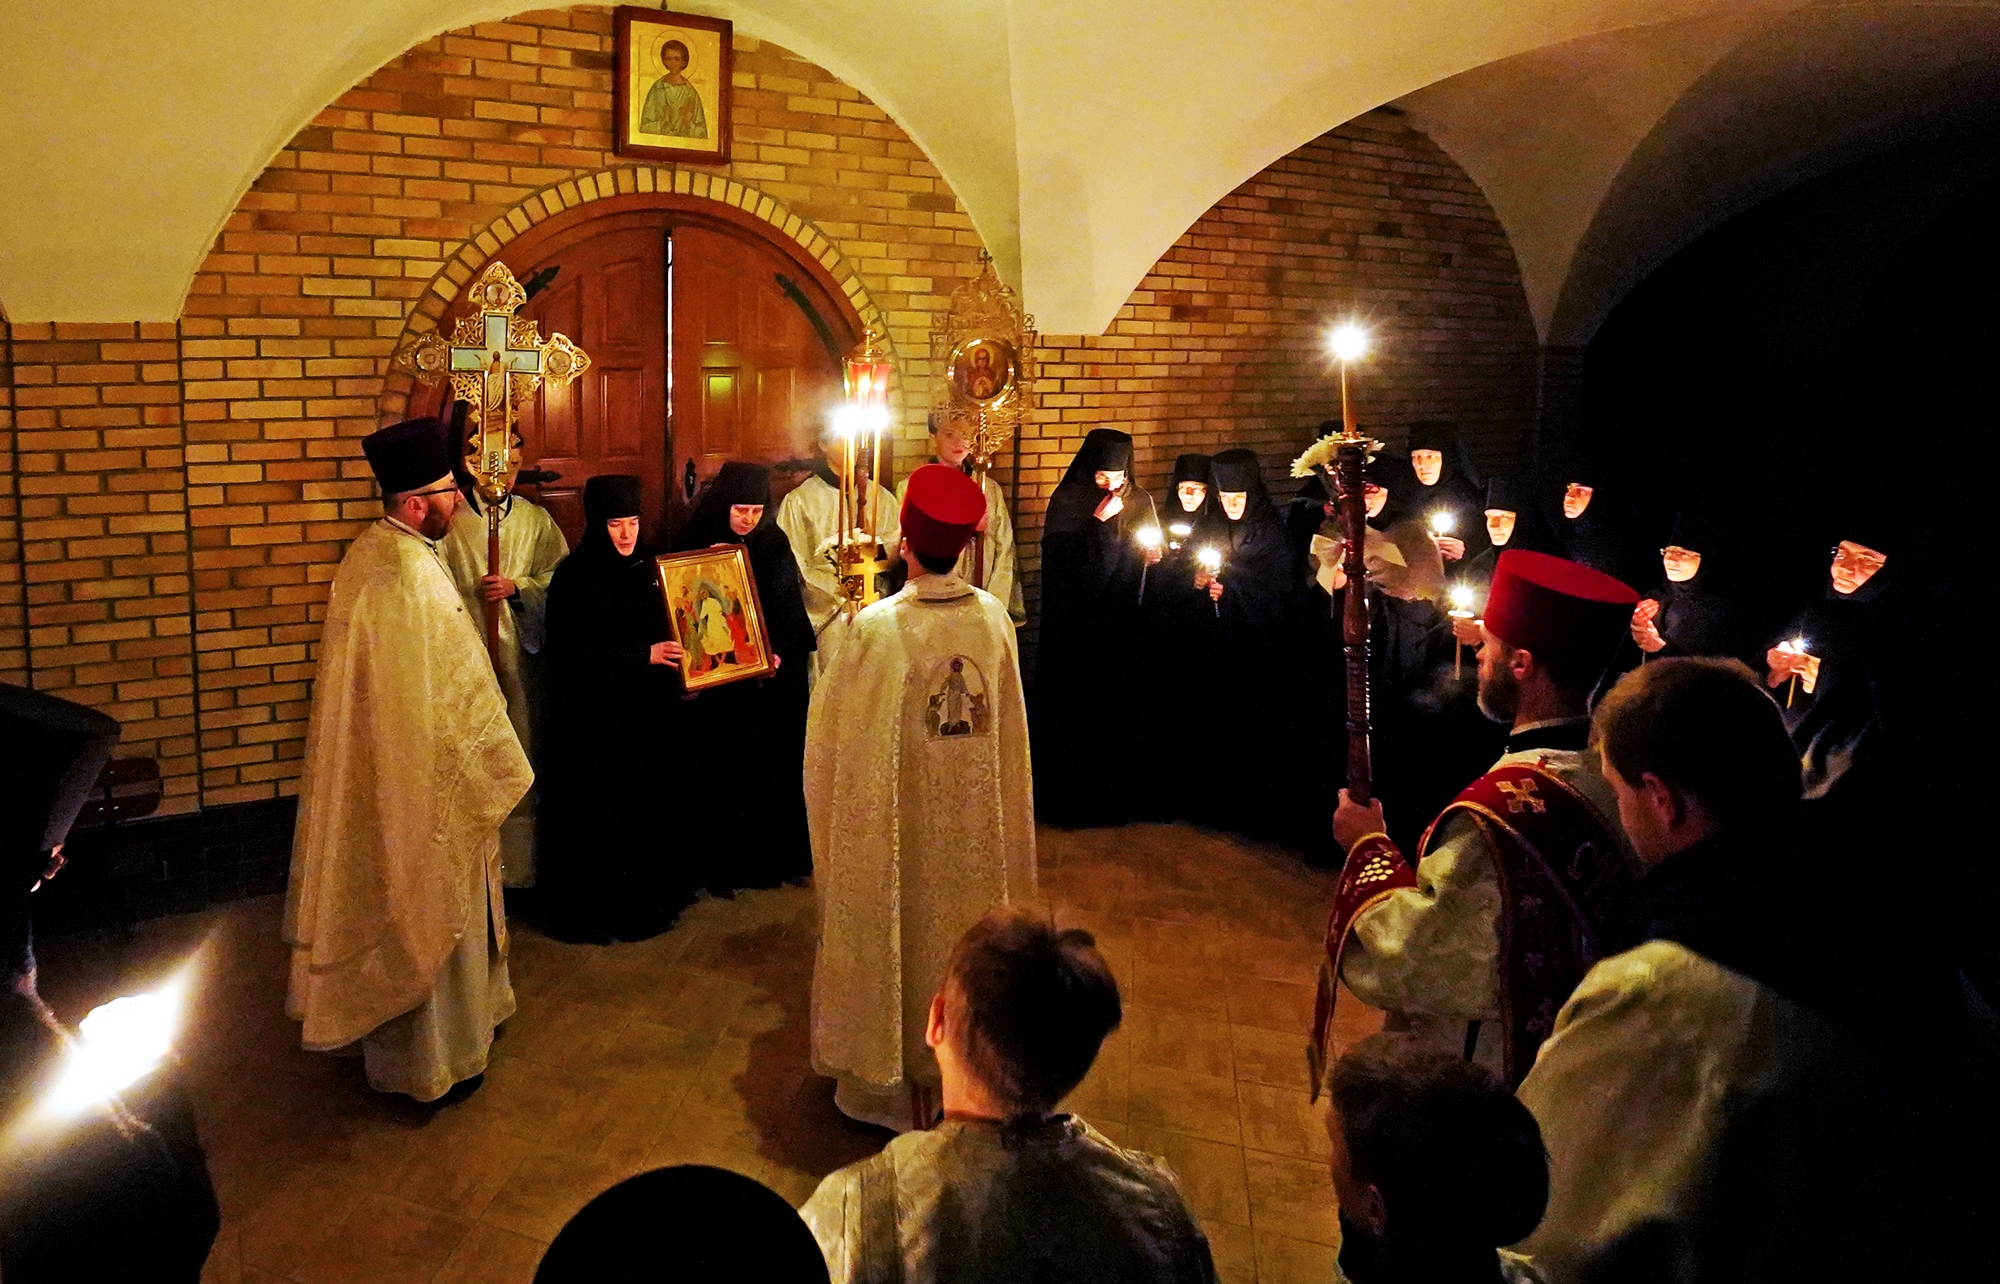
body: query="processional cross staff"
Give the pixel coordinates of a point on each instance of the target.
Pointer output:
(495, 361)
(1344, 455)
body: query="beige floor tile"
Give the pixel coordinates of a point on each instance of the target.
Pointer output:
(385, 1241)
(1284, 1260)
(489, 1255)
(1234, 1249)
(1177, 1040)
(1195, 991)
(1196, 1104)
(1210, 1173)
(1293, 1197)
(547, 1188)
(1282, 1121)
(1274, 1057)
(1271, 1005)
(693, 1047)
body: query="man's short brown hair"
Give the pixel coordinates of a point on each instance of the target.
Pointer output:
(1706, 728)
(1028, 1006)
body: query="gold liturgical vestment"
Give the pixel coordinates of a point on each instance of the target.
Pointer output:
(530, 546)
(393, 911)
(922, 817)
(810, 517)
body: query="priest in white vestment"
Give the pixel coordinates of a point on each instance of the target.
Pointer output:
(810, 518)
(1754, 1090)
(920, 805)
(530, 546)
(393, 912)
(993, 543)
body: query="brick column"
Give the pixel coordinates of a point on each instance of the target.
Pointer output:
(103, 529)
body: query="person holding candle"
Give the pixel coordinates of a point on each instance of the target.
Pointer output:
(1408, 563)
(1087, 717)
(117, 1186)
(1448, 483)
(1000, 573)
(1476, 946)
(1697, 610)
(1181, 635)
(810, 518)
(921, 806)
(1248, 592)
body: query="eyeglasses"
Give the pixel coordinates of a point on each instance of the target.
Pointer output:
(435, 490)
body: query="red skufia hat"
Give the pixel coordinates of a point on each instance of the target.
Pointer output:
(1552, 607)
(940, 510)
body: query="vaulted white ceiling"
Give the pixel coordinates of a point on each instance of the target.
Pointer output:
(1084, 136)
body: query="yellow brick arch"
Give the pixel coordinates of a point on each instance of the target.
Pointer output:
(677, 187)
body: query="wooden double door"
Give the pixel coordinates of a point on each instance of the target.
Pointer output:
(707, 341)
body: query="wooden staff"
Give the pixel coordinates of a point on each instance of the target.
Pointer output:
(1349, 459)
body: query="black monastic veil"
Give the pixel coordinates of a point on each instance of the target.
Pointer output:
(752, 810)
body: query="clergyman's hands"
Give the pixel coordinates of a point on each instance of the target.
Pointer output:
(497, 588)
(667, 653)
(1353, 821)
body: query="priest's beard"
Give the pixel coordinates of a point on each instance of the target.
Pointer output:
(1499, 691)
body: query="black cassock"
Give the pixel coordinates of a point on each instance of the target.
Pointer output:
(1709, 614)
(118, 1189)
(1608, 537)
(1180, 634)
(752, 810)
(1243, 787)
(1087, 713)
(614, 851)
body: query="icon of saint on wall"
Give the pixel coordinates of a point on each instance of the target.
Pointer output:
(673, 104)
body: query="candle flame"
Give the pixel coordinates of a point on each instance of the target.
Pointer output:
(1799, 645)
(1348, 341)
(1461, 597)
(118, 1044)
(1181, 529)
(1210, 559)
(1150, 536)
(1442, 521)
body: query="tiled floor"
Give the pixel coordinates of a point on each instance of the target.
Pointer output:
(692, 1047)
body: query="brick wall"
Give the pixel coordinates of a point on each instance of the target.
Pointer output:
(102, 495)
(186, 492)
(1223, 343)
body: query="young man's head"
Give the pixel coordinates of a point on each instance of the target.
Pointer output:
(1436, 1164)
(941, 510)
(1022, 1013)
(949, 444)
(1693, 748)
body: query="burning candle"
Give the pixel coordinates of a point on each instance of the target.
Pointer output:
(1149, 541)
(1442, 521)
(1796, 646)
(1461, 609)
(1210, 560)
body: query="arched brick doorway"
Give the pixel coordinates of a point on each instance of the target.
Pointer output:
(712, 334)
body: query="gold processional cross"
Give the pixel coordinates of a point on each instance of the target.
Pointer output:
(495, 361)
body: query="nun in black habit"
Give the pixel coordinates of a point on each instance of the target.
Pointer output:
(1181, 634)
(753, 813)
(1511, 519)
(1448, 482)
(1698, 607)
(1087, 715)
(1250, 593)
(615, 864)
(1596, 522)
(118, 1188)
